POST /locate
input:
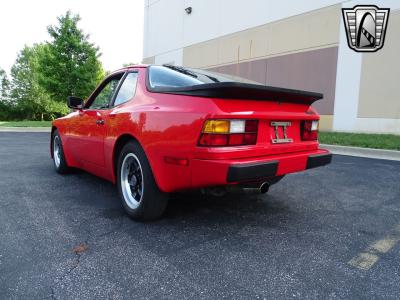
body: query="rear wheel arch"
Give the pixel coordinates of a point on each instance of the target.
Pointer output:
(121, 141)
(119, 144)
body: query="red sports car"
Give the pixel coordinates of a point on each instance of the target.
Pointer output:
(153, 130)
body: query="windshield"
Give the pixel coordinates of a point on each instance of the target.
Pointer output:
(174, 76)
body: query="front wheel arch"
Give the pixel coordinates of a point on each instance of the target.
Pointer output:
(53, 128)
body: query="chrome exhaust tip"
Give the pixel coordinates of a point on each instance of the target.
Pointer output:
(264, 187)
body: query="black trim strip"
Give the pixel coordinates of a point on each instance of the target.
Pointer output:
(101, 86)
(252, 171)
(111, 104)
(318, 160)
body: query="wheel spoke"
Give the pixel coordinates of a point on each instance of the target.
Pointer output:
(131, 180)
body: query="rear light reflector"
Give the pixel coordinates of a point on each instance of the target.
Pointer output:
(309, 131)
(229, 133)
(176, 161)
(208, 139)
(236, 139)
(250, 138)
(251, 126)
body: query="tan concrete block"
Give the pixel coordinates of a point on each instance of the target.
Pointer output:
(326, 122)
(310, 30)
(201, 55)
(229, 48)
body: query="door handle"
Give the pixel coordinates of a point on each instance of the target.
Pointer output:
(100, 122)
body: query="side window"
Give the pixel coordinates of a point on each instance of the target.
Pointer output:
(127, 90)
(105, 96)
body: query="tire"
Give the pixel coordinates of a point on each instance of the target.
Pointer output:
(140, 195)
(60, 164)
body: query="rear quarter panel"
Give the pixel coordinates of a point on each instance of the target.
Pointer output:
(164, 125)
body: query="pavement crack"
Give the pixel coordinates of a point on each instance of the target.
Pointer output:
(78, 256)
(80, 249)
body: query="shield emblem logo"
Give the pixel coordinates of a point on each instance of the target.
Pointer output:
(365, 27)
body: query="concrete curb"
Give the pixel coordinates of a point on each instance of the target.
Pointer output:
(363, 152)
(25, 129)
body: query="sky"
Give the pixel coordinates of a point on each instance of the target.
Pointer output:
(115, 26)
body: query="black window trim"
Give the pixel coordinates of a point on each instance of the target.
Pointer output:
(111, 104)
(98, 90)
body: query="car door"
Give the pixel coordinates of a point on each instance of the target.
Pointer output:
(90, 126)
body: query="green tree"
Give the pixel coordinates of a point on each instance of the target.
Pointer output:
(4, 86)
(5, 108)
(31, 101)
(69, 64)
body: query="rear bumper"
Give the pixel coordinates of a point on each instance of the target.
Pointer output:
(221, 172)
(318, 160)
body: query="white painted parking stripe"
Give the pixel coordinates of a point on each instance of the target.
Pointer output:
(383, 246)
(364, 261)
(370, 256)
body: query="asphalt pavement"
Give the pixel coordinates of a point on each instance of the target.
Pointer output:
(67, 237)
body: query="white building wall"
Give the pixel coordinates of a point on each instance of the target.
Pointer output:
(164, 33)
(171, 28)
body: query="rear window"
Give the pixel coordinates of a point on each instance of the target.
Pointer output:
(176, 77)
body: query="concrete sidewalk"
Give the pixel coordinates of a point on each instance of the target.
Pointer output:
(25, 129)
(363, 152)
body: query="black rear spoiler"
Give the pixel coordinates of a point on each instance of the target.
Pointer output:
(237, 90)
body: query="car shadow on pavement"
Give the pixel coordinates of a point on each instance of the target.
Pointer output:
(188, 205)
(193, 203)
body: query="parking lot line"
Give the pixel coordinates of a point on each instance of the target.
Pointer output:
(383, 245)
(364, 261)
(370, 256)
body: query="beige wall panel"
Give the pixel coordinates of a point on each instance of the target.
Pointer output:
(228, 48)
(148, 60)
(254, 41)
(210, 53)
(243, 45)
(310, 30)
(380, 77)
(201, 55)
(192, 56)
(326, 123)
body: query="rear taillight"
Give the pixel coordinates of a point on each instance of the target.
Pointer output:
(309, 130)
(229, 133)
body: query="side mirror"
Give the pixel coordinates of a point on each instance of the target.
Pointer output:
(75, 102)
